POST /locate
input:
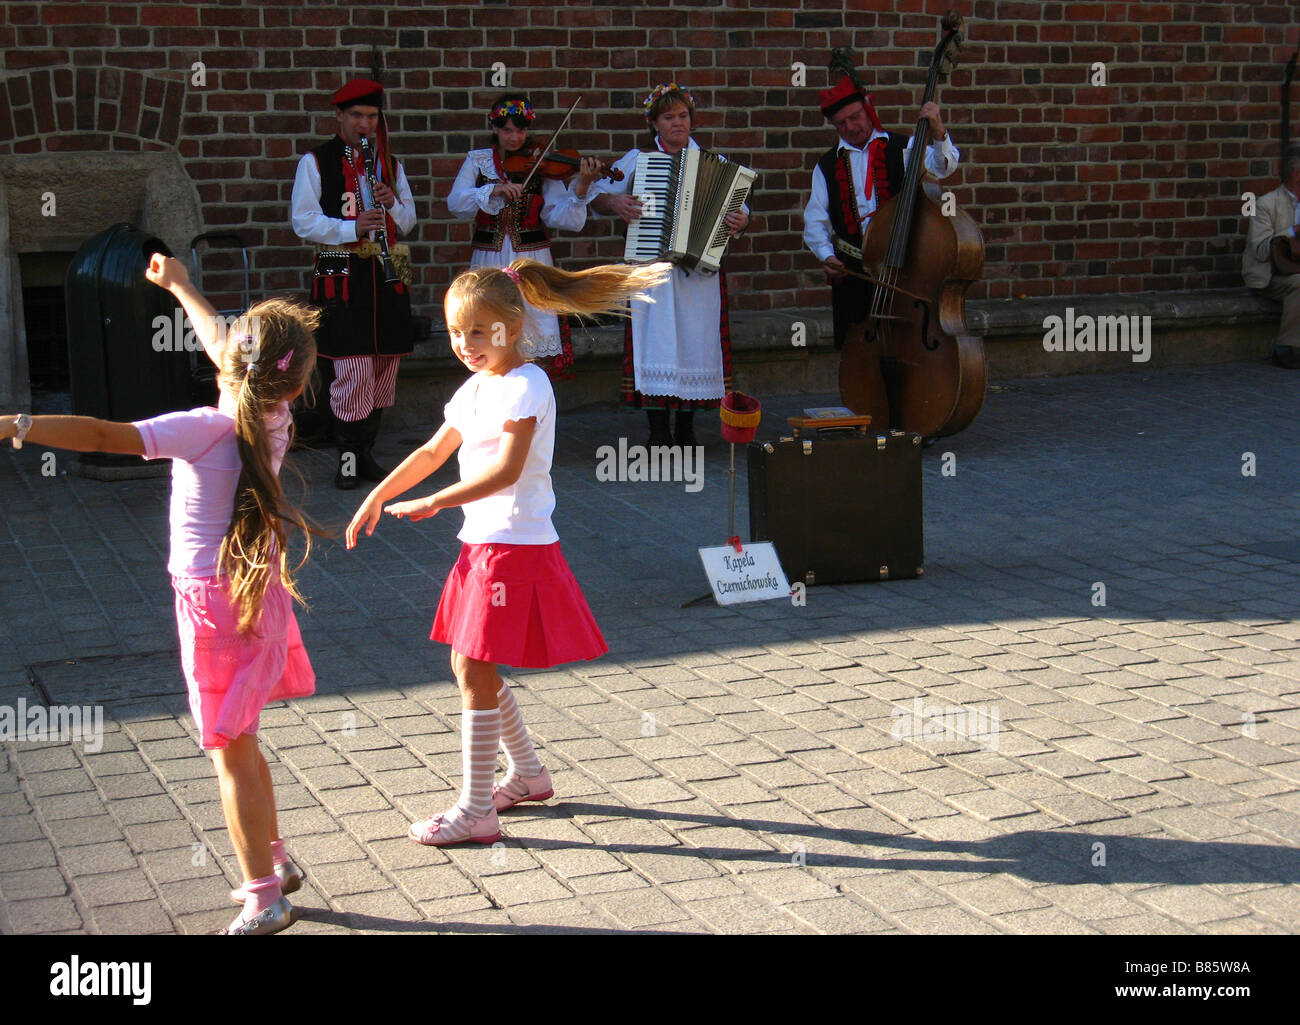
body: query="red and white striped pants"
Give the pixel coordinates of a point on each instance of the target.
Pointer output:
(363, 384)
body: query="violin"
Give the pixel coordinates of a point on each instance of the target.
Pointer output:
(558, 165)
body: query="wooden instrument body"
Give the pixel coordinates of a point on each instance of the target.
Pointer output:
(919, 368)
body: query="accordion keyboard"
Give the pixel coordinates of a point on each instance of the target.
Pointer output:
(645, 235)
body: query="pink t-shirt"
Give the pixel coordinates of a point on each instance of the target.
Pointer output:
(205, 474)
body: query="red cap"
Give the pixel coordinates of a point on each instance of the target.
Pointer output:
(359, 89)
(845, 92)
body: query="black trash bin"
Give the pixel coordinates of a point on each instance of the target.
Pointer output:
(127, 359)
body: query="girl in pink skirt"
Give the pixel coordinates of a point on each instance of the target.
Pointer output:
(234, 592)
(511, 597)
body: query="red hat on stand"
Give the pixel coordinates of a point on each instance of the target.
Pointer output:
(360, 90)
(845, 92)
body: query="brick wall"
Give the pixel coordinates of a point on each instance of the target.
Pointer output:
(1135, 185)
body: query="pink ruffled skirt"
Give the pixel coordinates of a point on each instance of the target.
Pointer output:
(516, 605)
(231, 678)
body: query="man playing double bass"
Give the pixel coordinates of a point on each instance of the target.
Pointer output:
(851, 180)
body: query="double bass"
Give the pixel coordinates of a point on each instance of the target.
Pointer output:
(912, 363)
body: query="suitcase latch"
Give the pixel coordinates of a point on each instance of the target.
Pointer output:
(807, 447)
(810, 578)
(880, 442)
(884, 572)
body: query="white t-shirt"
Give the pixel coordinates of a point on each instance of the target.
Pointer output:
(481, 407)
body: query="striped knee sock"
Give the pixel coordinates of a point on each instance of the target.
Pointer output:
(480, 729)
(514, 736)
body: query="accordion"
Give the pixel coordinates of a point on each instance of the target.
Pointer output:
(685, 198)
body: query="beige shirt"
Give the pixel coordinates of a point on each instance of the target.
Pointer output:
(1275, 214)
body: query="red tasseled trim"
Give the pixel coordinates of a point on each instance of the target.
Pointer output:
(844, 181)
(877, 169)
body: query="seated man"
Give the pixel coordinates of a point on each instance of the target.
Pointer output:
(1277, 214)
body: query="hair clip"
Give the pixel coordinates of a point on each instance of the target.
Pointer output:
(246, 343)
(282, 364)
(511, 273)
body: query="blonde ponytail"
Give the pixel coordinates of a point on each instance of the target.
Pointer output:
(587, 292)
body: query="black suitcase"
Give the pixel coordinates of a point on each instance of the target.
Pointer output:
(840, 508)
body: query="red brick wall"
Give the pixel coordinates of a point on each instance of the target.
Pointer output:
(1079, 189)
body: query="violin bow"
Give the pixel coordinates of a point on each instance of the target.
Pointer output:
(551, 142)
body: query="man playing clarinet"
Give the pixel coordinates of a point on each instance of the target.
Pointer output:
(851, 180)
(365, 319)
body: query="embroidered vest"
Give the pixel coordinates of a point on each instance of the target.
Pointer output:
(338, 178)
(885, 163)
(522, 219)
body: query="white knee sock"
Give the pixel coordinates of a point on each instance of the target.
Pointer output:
(514, 736)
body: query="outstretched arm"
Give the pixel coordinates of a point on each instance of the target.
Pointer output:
(169, 273)
(516, 438)
(78, 434)
(424, 461)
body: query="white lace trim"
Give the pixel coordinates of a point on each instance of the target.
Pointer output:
(665, 379)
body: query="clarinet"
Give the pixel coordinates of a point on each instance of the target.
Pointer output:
(368, 157)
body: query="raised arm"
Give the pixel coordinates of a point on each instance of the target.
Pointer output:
(169, 273)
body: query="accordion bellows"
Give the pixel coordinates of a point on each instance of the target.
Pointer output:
(685, 199)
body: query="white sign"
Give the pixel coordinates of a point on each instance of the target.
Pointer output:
(752, 574)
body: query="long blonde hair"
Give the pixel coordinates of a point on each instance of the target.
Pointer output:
(269, 356)
(589, 292)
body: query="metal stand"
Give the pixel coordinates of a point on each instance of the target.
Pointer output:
(731, 525)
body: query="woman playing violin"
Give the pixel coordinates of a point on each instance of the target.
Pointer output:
(511, 219)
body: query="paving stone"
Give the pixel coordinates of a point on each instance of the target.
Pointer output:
(43, 915)
(33, 883)
(140, 918)
(1078, 810)
(945, 920)
(115, 888)
(991, 804)
(637, 909)
(1190, 904)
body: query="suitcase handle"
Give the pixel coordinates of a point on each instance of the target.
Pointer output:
(802, 423)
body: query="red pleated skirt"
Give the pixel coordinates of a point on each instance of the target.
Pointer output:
(516, 605)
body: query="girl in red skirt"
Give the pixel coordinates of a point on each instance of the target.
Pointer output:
(511, 598)
(234, 592)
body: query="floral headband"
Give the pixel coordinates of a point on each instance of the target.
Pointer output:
(512, 108)
(667, 87)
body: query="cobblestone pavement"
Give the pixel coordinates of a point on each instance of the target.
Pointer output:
(728, 770)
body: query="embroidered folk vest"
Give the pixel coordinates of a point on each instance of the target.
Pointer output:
(885, 164)
(522, 219)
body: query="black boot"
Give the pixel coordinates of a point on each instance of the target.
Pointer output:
(347, 434)
(367, 468)
(659, 433)
(684, 432)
